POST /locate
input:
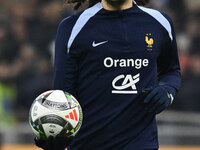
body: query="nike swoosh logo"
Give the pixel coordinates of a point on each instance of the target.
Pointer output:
(97, 44)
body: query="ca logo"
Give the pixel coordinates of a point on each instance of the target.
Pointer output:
(129, 81)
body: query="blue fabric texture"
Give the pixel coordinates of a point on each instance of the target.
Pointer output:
(113, 58)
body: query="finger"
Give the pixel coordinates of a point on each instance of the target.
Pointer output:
(50, 139)
(160, 109)
(164, 106)
(150, 95)
(61, 142)
(69, 140)
(39, 142)
(157, 105)
(152, 102)
(60, 138)
(49, 145)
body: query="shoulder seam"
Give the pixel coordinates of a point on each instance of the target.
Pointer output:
(160, 18)
(81, 21)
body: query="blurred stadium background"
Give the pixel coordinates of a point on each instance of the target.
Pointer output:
(27, 34)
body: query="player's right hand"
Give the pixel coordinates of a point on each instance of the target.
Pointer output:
(158, 100)
(57, 143)
(44, 144)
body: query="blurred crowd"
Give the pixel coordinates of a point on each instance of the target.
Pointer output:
(186, 17)
(27, 33)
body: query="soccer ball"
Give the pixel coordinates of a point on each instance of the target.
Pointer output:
(55, 113)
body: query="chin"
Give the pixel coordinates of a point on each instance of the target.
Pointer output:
(115, 2)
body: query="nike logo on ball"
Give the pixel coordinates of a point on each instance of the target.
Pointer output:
(97, 44)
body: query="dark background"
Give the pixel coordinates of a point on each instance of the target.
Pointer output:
(27, 33)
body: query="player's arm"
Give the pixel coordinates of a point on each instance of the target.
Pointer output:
(169, 77)
(64, 79)
(65, 69)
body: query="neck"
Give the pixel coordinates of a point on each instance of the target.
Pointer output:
(113, 5)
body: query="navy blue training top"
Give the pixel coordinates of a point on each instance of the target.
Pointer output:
(106, 59)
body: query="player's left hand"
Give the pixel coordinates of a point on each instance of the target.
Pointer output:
(57, 143)
(61, 142)
(157, 100)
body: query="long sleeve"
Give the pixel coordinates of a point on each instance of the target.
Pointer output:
(168, 65)
(65, 69)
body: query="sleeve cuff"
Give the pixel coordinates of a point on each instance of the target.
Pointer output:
(171, 91)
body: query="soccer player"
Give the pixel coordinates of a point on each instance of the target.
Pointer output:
(120, 61)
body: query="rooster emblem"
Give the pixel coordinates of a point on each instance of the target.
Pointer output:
(149, 41)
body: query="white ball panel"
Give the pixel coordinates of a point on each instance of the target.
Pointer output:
(57, 96)
(43, 94)
(38, 111)
(51, 129)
